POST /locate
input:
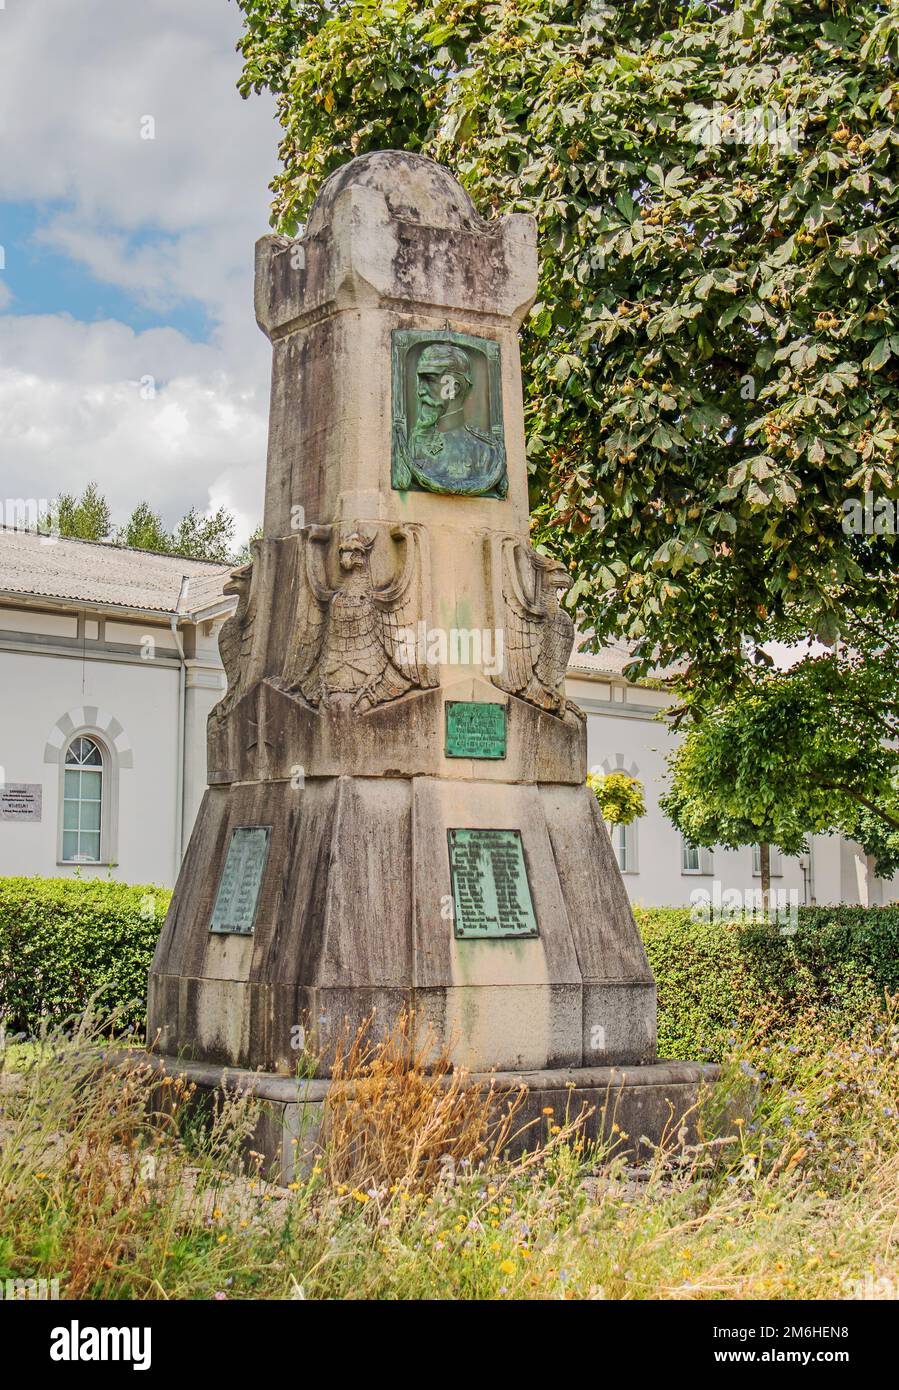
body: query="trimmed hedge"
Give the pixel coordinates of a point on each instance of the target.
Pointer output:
(717, 978)
(62, 940)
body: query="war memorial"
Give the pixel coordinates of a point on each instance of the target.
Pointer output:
(397, 816)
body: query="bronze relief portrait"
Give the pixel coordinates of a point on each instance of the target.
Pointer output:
(447, 414)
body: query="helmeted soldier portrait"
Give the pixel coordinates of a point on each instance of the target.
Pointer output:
(443, 449)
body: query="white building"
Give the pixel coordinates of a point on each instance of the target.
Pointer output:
(109, 666)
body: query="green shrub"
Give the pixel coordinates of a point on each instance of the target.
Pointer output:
(717, 978)
(62, 940)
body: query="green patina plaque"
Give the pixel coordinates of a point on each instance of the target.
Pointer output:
(447, 414)
(475, 729)
(238, 892)
(491, 893)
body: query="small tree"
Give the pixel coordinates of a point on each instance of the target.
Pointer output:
(794, 753)
(144, 530)
(620, 796)
(85, 518)
(204, 537)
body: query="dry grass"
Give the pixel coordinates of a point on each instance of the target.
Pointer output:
(400, 1115)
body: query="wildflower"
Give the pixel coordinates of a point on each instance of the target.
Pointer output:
(219, 1295)
(548, 1110)
(507, 1267)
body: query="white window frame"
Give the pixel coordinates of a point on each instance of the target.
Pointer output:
(624, 846)
(775, 866)
(704, 860)
(109, 802)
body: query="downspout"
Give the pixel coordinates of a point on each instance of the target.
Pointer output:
(180, 730)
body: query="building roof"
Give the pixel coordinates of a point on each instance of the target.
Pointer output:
(608, 661)
(113, 576)
(611, 660)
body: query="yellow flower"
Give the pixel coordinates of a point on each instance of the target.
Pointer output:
(507, 1267)
(616, 1127)
(548, 1110)
(555, 1129)
(222, 1239)
(293, 1187)
(217, 1214)
(40, 1175)
(360, 1196)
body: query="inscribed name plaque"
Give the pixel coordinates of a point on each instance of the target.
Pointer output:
(491, 893)
(20, 801)
(238, 893)
(475, 729)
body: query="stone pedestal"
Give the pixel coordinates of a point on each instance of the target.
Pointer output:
(394, 578)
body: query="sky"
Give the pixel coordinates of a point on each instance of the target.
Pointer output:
(129, 354)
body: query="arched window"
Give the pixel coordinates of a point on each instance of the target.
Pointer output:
(82, 806)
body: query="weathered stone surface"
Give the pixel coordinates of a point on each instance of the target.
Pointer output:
(355, 902)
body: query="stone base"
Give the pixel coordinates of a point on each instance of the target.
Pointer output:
(652, 1104)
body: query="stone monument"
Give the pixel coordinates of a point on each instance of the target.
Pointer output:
(396, 814)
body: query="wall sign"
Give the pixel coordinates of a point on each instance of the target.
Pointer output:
(20, 801)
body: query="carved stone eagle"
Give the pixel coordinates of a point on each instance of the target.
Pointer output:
(236, 635)
(355, 641)
(539, 634)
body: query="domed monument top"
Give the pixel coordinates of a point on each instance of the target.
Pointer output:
(416, 189)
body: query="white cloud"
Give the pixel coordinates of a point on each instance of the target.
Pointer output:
(78, 406)
(168, 221)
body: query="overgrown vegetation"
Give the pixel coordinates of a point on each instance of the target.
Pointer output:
(799, 1200)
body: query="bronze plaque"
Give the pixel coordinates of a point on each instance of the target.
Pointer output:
(491, 894)
(475, 729)
(447, 414)
(238, 892)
